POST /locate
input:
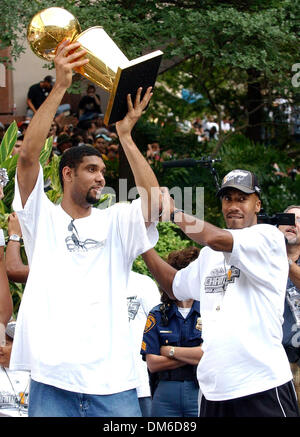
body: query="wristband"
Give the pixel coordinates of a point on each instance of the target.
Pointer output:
(2, 239)
(173, 213)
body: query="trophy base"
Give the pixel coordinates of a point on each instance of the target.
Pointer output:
(140, 72)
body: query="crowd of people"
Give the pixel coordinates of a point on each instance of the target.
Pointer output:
(70, 127)
(212, 339)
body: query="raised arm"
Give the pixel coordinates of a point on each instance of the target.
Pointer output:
(37, 131)
(144, 176)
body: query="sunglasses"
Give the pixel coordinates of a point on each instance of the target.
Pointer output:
(75, 239)
(74, 244)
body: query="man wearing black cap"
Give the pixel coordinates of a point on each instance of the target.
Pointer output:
(240, 279)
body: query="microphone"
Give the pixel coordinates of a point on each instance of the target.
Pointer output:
(180, 163)
(190, 162)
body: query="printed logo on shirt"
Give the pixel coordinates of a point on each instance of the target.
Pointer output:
(133, 305)
(219, 279)
(150, 323)
(12, 401)
(144, 346)
(75, 245)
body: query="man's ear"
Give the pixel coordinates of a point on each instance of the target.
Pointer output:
(257, 206)
(67, 174)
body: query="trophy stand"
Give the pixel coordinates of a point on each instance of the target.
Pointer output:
(140, 72)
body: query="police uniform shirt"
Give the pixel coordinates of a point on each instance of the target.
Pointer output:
(179, 331)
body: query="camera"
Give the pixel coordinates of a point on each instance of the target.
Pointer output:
(276, 219)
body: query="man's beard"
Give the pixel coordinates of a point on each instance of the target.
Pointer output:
(92, 199)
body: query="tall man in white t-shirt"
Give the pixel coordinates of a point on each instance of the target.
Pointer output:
(72, 330)
(240, 279)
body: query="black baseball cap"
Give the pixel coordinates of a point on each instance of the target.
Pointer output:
(242, 180)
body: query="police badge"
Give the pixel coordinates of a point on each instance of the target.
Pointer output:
(199, 324)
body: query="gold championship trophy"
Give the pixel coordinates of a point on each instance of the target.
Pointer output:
(108, 67)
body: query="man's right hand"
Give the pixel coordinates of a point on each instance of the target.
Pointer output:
(68, 58)
(14, 225)
(167, 205)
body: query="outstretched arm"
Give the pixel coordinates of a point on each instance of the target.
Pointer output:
(36, 133)
(160, 270)
(197, 230)
(144, 176)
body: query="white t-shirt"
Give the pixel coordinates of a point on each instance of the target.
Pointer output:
(72, 329)
(242, 313)
(142, 296)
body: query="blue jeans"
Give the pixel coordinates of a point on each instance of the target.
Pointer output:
(175, 399)
(49, 401)
(145, 404)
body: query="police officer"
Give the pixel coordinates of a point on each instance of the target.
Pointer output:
(171, 348)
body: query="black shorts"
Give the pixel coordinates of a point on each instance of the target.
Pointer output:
(277, 402)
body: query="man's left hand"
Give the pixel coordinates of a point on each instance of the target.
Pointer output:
(125, 126)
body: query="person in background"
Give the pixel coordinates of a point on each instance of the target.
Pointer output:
(142, 295)
(6, 303)
(291, 324)
(18, 144)
(153, 152)
(14, 384)
(37, 94)
(172, 348)
(101, 143)
(89, 107)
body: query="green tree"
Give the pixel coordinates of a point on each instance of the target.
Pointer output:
(237, 54)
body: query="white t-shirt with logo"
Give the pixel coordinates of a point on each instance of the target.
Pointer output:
(142, 296)
(14, 390)
(242, 301)
(72, 329)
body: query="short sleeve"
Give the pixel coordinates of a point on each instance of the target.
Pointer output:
(136, 238)
(151, 343)
(186, 283)
(150, 295)
(28, 216)
(256, 249)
